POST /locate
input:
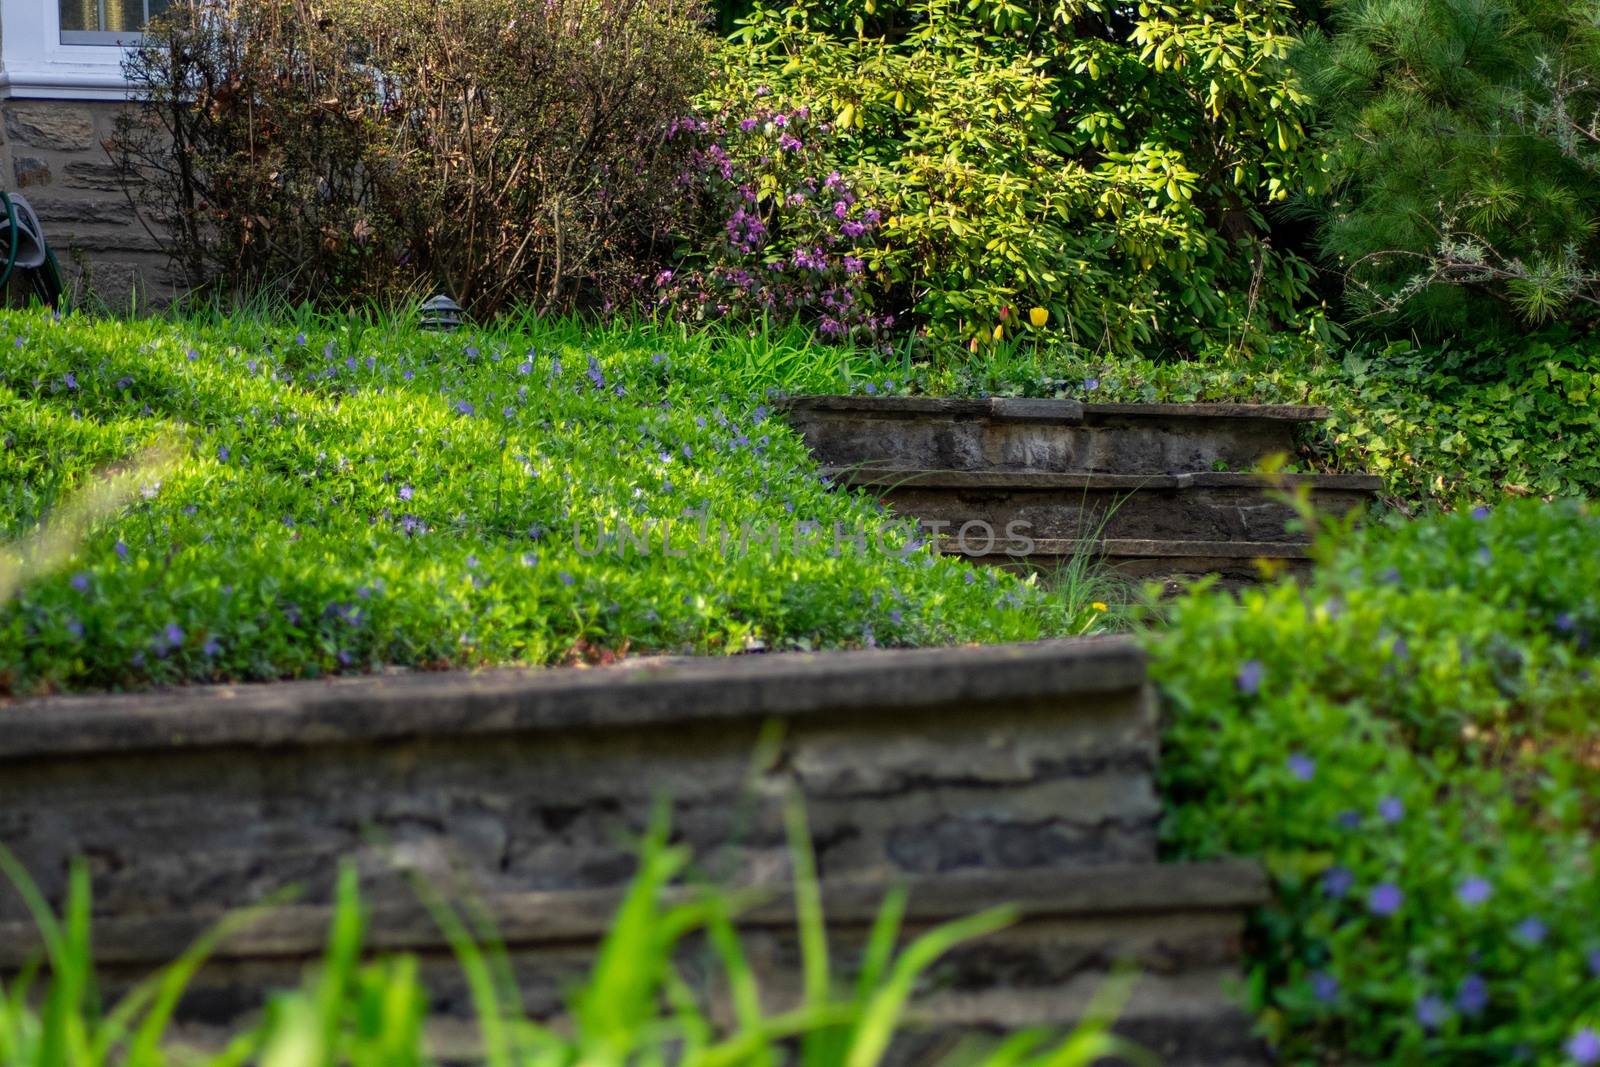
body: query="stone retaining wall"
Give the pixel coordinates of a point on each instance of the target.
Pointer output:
(973, 776)
(53, 152)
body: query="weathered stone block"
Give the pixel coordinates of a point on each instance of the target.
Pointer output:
(30, 171)
(65, 127)
(100, 177)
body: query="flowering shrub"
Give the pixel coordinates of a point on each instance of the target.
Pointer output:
(1408, 743)
(1105, 164)
(783, 234)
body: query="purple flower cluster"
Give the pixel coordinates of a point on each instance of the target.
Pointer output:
(794, 237)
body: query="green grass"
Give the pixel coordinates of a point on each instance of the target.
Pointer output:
(340, 494)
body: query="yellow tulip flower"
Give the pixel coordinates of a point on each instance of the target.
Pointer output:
(1039, 316)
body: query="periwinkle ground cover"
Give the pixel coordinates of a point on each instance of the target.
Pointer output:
(347, 497)
(1409, 743)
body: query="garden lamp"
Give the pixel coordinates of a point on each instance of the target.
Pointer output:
(440, 313)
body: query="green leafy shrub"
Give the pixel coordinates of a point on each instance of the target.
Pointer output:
(1407, 742)
(344, 495)
(513, 151)
(1463, 145)
(1106, 164)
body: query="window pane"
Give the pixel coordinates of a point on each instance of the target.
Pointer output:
(107, 16)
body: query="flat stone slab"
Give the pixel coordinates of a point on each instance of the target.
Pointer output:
(535, 918)
(1036, 435)
(1027, 409)
(1116, 548)
(747, 688)
(897, 477)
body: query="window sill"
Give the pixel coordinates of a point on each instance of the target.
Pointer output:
(48, 84)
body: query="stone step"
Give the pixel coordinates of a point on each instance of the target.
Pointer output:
(1194, 507)
(922, 761)
(1177, 926)
(1045, 435)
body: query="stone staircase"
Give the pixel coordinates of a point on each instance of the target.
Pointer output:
(1159, 490)
(972, 776)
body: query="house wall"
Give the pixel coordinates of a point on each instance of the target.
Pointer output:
(54, 153)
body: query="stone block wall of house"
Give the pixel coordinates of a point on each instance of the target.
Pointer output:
(54, 153)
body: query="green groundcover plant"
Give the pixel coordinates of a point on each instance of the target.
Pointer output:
(339, 496)
(1409, 742)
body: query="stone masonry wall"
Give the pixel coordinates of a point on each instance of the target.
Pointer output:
(54, 153)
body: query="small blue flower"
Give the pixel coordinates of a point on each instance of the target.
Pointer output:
(1480, 512)
(1474, 891)
(1091, 384)
(300, 339)
(1304, 768)
(406, 492)
(122, 550)
(71, 380)
(1385, 899)
(211, 648)
(1349, 819)
(871, 388)
(1249, 678)
(75, 628)
(1531, 931)
(174, 634)
(1324, 986)
(564, 577)
(192, 354)
(1391, 809)
(1472, 996)
(1485, 557)
(1594, 962)
(1565, 623)
(594, 374)
(1432, 1011)
(530, 558)
(1337, 882)
(1584, 1047)
(223, 453)
(80, 582)
(525, 367)
(464, 408)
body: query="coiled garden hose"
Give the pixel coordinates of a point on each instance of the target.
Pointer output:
(45, 278)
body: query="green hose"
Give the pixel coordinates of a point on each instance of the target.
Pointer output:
(11, 257)
(46, 278)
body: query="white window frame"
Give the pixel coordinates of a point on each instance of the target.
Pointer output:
(34, 64)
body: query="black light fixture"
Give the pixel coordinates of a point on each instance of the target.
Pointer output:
(440, 313)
